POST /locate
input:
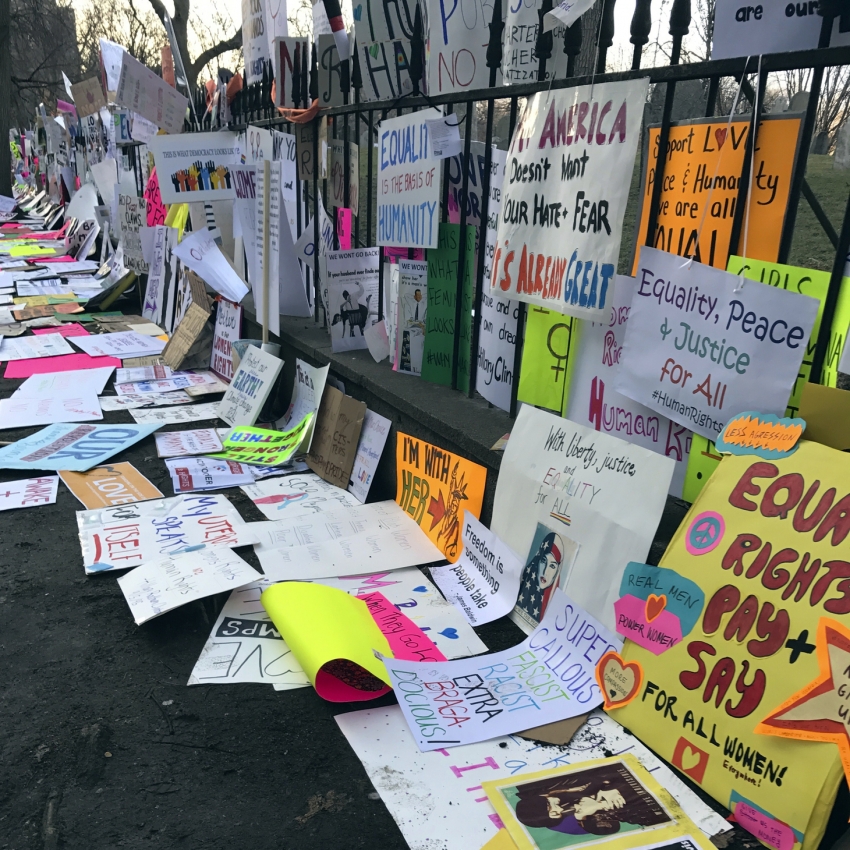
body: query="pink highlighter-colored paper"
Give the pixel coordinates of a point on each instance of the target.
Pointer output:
(343, 228)
(658, 635)
(71, 329)
(768, 830)
(62, 363)
(407, 641)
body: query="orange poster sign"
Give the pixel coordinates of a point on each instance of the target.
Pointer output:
(703, 171)
(435, 487)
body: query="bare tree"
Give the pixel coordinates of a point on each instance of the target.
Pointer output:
(834, 101)
(181, 22)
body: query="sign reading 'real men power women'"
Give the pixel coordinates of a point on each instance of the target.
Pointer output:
(564, 196)
(408, 182)
(703, 345)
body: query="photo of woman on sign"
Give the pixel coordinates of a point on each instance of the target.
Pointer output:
(549, 559)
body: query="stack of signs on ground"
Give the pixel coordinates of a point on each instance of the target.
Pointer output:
(753, 595)
(577, 505)
(130, 535)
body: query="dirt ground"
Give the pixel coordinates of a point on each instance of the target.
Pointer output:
(104, 745)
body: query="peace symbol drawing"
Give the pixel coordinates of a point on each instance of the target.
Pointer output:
(704, 533)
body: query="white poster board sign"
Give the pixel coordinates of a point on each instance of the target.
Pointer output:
(255, 40)
(566, 186)
(143, 91)
(250, 387)
(703, 345)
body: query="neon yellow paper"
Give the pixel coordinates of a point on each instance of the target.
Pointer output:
(324, 624)
(545, 352)
(247, 444)
(612, 803)
(767, 544)
(178, 215)
(31, 251)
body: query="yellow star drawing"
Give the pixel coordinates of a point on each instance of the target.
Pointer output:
(821, 710)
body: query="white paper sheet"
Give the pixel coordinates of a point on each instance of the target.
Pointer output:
(22, 412)
(132, 401)
(189, 474)
(29, 492)
(200, 253)
(186, 443)
(142, 373)
(143, 91)
(122, 344)
(177, 381)
(175, 415)
(306, 395)
(296, 495)
(53, 383)
(251, 385)
(27, 347)
(168, 583)
(373, 438)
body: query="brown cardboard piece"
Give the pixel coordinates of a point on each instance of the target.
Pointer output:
(334, 448)
(189, 338)
(88, 97)
(110, 485)
(827, 414)
(561, 732)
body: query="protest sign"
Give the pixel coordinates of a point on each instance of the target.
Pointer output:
(562, 254)
(370, 447)
(132, 217)
(199, 252)
(305, 139)
(336, 183)
(64, 363)
(251, 385)
(88, 97)
(106, 486)
(563, 487)
(595, 355)
(195, 167)
(228, 327)
(297, 495)
(458, 46)
(143, 91)
(385, 68)
(123, 344)
(74, 447)
(54, 383)
(202, 441)
(191, 337)
(31, 347)
(335, 438)
(406, 639)
(434, 487)
(155, 209)
(29, 492)
(452, 785)
(244, 179)
(330, 88)
(129, 535)
(766, 579)
(68, 406)
(262, 447)
(756, 335)
(520, 63)
(162, 275)
(130, 401)
(255, 40)
(284, 54)
(167, 583)
(193, 474)
(175, 381)
(444, 275)
(567, 12)
(307, 391)
(176, 415)
(481, 706)
(272, 250)
(412, 315)
(545, 353)
(408, 182)
(773, 26)
(352, 296)
(705, 158)
(484, 583)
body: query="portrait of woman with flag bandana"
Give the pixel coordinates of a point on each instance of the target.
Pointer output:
(541, 574)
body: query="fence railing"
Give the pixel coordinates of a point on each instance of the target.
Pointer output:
(479, 110)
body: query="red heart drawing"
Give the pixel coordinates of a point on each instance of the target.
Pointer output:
(618, 680)
(720, 135)
(654, 606)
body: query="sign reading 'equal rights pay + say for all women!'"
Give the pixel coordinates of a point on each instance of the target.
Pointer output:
(703, 345)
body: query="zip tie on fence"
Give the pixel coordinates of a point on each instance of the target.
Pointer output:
(716, 167)
(756, 117)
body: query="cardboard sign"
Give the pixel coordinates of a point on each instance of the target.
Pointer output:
(594, 358)
(191, 337)
(703, 158)
(435, 487)
(228, 328)
(826, 412)
(71, 447)
(167, 583)
(565, 196)
(107, 486)
(702, 346)
(769, 577)
(457, 57)
(443, 278)
(195, 167)
(88, 97)
(772, 26)
(143, 91)
(566, 633)
(251, 385)
(483, 585)
(578, 505)
(336, 436)
(408, 182)
(29, 492)
(121, 537)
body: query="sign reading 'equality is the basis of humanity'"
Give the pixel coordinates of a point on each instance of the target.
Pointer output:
(757, 570)
(566, 186)
(408, 182)
(702, 345)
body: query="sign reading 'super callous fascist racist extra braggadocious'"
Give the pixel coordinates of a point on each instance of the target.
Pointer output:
(566, 185)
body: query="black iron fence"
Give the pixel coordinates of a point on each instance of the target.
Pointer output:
(481, 110)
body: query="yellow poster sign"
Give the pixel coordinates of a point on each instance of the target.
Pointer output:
(543, 377)
(702, 172)
(756, 565)
(435, 487)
